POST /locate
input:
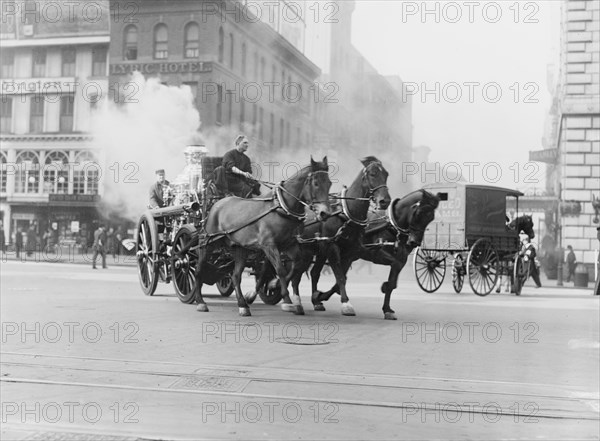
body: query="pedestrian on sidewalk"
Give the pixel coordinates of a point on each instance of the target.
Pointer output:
(32, 240)
(2, 238)
(530, 255)
(18, 242)
(99, 246)
(571, 263)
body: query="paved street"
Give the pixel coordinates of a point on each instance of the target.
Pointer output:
(85, 354)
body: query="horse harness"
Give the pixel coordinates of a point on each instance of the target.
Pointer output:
(350, 220)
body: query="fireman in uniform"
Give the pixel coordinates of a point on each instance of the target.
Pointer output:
(157, 190)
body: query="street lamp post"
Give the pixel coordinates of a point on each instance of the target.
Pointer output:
(559, 276)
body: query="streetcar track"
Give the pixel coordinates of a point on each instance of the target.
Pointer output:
(292, 398)
(556, 411)
(292, 380)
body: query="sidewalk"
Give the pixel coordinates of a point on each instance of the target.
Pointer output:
(68, 255)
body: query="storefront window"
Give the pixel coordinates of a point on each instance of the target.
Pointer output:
(56, 173)
(28, 172)
(3, 172)
(86, 174)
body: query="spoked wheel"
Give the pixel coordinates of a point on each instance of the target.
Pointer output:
(183, 269)
(482, 267)
(225, 286)
(430, 269)
(271, 294)
(146, 253)
(520, 273)
(458, 273)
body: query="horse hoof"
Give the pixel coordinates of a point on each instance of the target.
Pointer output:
(347, 309)
(319, 307)
(250, 296)
(390, 316)
(288, 307)
(316, 296)
(202, 307)
(299, 310)
(245, 312)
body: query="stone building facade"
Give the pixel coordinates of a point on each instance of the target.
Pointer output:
(53, 71)
(578, 137)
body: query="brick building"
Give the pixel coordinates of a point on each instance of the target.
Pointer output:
(243, 74)
(575, 128)
(52, 71)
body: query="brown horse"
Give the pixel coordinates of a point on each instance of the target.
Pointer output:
(389, 239)
(267, 225)
(339, 236)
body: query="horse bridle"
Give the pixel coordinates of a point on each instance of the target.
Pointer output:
(309, 180)
(365, 176)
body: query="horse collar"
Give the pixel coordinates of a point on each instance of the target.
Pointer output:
(298, 216)
(346, 211)
(390, 215)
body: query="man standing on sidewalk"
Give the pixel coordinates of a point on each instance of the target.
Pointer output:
(99, 246)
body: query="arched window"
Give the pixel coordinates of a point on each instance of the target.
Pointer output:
(221, 45)
(231, 49)
(56, 173)
(28, 172)
(3, 161)
(243, 59)
(191, 44)
(161, 42)
(130, 43)
(85, 174)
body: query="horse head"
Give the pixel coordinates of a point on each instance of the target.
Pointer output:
(316, 188)
(414, 212)
(374, 181)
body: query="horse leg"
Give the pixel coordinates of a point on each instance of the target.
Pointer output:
(272, 253)
(240, 256)
(315, 275)
(339, 268)
(202, 307)
(396, 266)
(300, 263)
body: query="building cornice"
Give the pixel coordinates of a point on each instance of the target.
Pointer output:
(50, 137)
(55, 41)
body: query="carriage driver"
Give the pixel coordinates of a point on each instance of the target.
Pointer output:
(157, 190)
(238, 168)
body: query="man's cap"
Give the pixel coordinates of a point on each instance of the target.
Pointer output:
(160, 171)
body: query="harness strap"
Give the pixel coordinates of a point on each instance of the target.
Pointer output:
(392, 220)
(346, 211)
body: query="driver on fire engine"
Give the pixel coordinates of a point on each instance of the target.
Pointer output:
(239, 170)
(157, 189)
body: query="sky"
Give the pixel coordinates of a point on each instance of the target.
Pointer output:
(472, 53)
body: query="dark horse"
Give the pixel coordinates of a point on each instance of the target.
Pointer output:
(391, 237)
(264, 224)
(339, 236)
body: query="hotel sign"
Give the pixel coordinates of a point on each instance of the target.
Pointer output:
(548, 155)
(163, 68)
(38, 86)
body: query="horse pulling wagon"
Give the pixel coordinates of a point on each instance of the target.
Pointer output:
(203, 237)
(472, 225)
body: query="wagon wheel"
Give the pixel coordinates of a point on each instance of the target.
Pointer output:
(520, 273)
(225, 286)
(183, 268)
(146, 253)
(430, 269)
(271, 294)
(482, 267)
(458, 273)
